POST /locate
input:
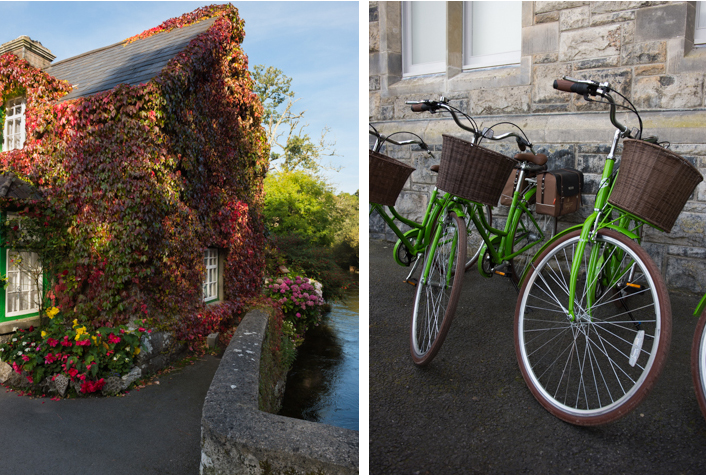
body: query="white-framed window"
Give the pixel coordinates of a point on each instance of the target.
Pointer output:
(24, 283)
(210, 286)
(14, 128)
(423, 38)
(492, 34)
(700, 23)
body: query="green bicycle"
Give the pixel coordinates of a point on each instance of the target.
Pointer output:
(476, 175)
(593, 318)
(387, 177)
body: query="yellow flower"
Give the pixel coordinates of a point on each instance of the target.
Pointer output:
(44, 333)
(52, 312)
(79, 332)
(95, 342)
(76, 323)
(138, 350)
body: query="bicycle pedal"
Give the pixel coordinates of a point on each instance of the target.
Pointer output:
(412, 282)
(502, 269)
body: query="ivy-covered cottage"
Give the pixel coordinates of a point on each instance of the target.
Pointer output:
(132, 176)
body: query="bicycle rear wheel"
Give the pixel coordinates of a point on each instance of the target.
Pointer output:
(599, 367)
(437, 295)
(526, 233)
(698, 362)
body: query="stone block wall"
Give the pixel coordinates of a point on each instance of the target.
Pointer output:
(645, 50)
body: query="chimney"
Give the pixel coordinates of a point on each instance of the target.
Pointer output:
(32, 51)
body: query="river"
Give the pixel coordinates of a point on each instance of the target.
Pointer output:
(323, 384)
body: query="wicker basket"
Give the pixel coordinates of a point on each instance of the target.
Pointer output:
(653, 183)
(472, 172)
(387, 177)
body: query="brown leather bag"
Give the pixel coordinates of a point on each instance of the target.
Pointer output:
(506, 198)
(559, 192)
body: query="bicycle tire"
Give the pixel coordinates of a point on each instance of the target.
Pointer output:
(548, 351)
(697, 363)
(435, 304)
(525, 233)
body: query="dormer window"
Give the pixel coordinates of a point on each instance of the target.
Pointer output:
(14, 127)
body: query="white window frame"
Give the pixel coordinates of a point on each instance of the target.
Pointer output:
(14, 111)
(408, 68)
(700, 23)
(23, 278)
(210, 285)
(489, 60)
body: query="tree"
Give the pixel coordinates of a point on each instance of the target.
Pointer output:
(294, 149)
(347, 233)
(297, 202)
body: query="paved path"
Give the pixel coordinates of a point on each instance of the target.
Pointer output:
(152, 431)
(470, 411)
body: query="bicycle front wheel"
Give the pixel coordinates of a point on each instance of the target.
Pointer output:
(598, 366)
(698, 362)
(437, 295)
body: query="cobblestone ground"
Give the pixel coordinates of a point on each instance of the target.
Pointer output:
(470, 411)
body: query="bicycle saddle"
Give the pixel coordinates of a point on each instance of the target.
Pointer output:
(537, 159)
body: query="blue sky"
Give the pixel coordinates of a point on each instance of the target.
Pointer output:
(315, 43)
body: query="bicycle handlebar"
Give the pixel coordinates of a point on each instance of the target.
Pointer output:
(433, 106)
(381, 139)
(586, 88)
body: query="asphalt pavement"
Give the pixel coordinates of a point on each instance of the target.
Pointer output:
(154, 430)
(470, 412)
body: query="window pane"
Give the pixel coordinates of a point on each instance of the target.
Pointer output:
(492, 33)
(428, 32)
(700, 23)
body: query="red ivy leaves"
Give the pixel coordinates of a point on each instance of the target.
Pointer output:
(137, 181)
(184, 20)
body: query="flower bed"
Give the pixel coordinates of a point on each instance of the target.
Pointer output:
(82, 359)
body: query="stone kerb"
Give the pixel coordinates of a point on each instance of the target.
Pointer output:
(238, 438)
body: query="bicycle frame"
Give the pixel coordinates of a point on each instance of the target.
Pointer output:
(497, 241)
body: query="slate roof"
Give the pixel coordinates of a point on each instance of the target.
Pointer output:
(136, 63)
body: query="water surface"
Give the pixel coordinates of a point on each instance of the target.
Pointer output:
(323, 385)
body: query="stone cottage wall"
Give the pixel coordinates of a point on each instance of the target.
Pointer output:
(644, 49)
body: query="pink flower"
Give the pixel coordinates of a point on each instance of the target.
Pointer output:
(298, 315)
(113, 338)
(52, 342)
(25, 358)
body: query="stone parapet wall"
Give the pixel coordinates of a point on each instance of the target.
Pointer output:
(238, 438)
(644, 50)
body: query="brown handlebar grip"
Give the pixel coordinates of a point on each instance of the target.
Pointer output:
(563, 85)
(419, 107)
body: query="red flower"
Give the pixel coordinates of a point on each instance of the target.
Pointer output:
(92, 386)
(52, 342)
(113, 338)
(72, 372)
